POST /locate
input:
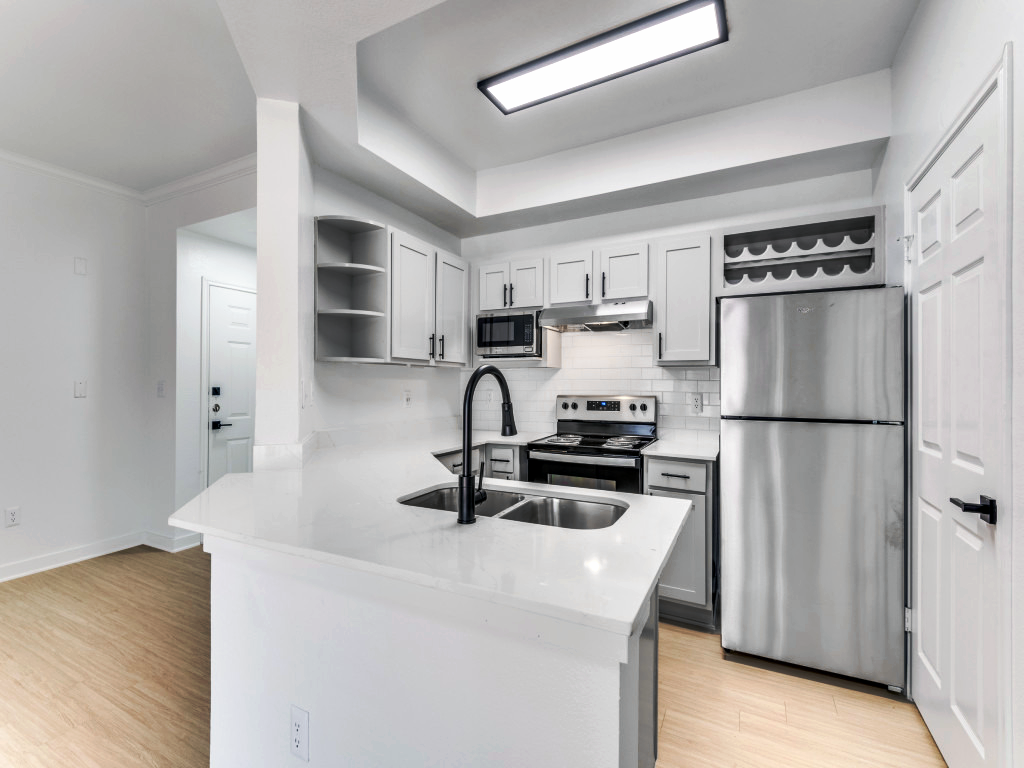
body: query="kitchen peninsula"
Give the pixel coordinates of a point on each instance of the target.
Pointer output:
(411, 640)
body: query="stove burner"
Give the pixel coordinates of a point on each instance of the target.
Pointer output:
(623, 442)
(565, 439)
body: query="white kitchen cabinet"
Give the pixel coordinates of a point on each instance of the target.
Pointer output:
(502, 462)
(351, 290)
(451, 314)
(572, 277)
(682, 305)
(624, 271)
(526, 283)
(494, 286)
(412, 297)
(687, 577)
(516, 285)
(453, 461)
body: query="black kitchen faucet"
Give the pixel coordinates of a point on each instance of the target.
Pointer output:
(469, 496)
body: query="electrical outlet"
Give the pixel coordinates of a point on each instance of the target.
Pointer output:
(698, 403)
(161, 388)
(407, 399)
(12, 517)
(299, 734)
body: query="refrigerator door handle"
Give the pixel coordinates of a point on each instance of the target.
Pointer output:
(987, 508)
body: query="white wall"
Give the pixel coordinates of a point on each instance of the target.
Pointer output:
(350, 396)
(223, 191)
(78, 468)
(948, 51)
(199, 256)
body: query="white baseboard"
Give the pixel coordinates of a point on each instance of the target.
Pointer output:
(171, 543)
(68, 556)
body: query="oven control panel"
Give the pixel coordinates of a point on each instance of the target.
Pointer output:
(630, 408)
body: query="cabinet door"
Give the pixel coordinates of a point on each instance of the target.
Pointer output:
(526, 283)
(685, 574)
(493, 286)
(682, 311)
(572, 277)
(623, 271)
(412, 297)
(451, 322)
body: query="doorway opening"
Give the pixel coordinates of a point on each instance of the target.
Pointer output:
(216, 351)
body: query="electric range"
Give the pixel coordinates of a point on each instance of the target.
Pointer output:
(598, 443)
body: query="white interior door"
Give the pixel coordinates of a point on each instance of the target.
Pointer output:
(960, 282)
(231, 380)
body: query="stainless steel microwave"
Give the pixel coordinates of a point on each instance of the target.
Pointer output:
(508, 334)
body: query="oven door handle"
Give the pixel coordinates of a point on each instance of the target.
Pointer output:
(566, 458)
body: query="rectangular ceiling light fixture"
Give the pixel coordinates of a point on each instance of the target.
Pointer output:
(662, 36)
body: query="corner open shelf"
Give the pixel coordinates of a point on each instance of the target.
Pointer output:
(840, 253)
(351, 290)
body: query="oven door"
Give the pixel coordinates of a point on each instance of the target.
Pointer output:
(600, 473)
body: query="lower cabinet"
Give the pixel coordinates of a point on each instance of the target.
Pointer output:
(687, 584)
(453, 460)
(502, 462)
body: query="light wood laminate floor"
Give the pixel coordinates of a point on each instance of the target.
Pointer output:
(105, 664)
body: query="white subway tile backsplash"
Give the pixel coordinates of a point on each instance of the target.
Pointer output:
(597, 364)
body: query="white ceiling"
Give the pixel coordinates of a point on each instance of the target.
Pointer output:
(425, 69)
(145, 92)
(135, 92)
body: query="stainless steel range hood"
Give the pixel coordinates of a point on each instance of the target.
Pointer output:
(612, 316)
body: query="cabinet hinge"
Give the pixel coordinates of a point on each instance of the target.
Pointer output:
(907, 621)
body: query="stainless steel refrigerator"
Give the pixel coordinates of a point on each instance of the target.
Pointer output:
(812, 480)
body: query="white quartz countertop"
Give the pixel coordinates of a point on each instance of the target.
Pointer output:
(343, 508)
(684, 444)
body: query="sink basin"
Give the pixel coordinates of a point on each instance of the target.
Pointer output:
(448, 499)
(565, 513)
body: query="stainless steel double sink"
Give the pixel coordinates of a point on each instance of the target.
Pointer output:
(556, 511)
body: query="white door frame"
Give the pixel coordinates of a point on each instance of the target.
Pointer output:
(204, 374)
(997, 85)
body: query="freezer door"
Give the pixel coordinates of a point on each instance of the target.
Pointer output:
(832, 355)
(812, 542)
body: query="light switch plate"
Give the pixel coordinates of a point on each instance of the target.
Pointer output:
(81, 266)
(80, 388)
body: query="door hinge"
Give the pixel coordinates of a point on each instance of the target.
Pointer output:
(907, 620)
(908, 241)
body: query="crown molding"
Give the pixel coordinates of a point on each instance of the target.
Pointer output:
(63, 174)
(235, 169)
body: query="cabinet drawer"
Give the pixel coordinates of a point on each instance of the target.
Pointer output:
(677, 475)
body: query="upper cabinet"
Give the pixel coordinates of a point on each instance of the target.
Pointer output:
(351, 290)
(526, 283)
(451, 320)
(412, 295)
(623, 271)
(682, 303)
(572, 277)
(516, 285)
(494, 286)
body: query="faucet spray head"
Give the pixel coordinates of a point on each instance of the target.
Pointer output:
(508, 420)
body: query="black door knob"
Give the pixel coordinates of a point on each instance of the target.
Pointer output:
(987, 508)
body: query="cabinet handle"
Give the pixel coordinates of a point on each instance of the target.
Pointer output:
(678, 477)
(441, 353)
(510, 287)
(504, 295)
(431, 346)
(659, 345)
(602, 285)
(503, 461)
(587, 289)
(456, 466)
